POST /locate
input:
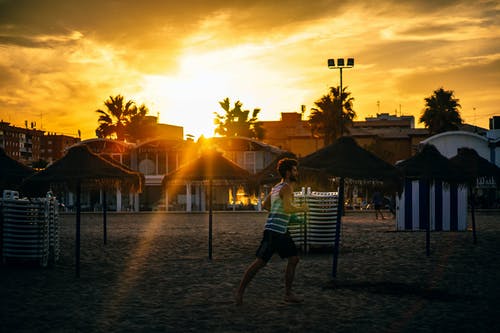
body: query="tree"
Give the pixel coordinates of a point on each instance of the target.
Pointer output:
(441, 112)
(235, 122)
(138, 126)
(332, 115)
(124, 120)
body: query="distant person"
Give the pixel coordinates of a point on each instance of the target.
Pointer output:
(276, 237)
(378, 202)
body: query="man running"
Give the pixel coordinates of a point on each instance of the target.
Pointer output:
(276, 237)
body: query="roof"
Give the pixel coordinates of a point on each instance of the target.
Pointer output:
(227, 144)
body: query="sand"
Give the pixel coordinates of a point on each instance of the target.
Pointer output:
(154, 276)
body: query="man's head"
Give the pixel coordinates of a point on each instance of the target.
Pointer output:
(288, 165)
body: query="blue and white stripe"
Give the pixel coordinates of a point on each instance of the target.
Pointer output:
(444, 205)
(277, 219)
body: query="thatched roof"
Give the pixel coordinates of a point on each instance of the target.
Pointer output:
(430, 164)
(344, 158)
(270, 173)
(81, 165)
(210, 165)
(474, 166)
(12, 172)
(123, 166)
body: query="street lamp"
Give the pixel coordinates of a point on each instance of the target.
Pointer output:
(340, 207)
(341, 65)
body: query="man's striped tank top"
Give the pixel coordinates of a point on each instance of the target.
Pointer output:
(277, 219)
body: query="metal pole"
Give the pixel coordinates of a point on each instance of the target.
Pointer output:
(210, 219)
(340, 209)
(77, 236)
(428, 224)
(341, 106)
(104, 217)
(473, 213)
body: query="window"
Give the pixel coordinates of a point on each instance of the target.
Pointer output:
(249, 161)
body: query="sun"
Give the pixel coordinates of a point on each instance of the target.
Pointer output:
(189, 97)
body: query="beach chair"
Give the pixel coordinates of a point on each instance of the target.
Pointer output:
(29, 229)
(319, 227)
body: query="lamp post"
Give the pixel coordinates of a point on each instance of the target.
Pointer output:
(340, 208)
(341, 65)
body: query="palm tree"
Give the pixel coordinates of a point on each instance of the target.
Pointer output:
(113, 121)
(235, 121)
(333, 115)
(441, 112)
(138, 126)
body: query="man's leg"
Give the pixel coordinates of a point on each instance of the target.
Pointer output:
(247, 277)
(289, 276)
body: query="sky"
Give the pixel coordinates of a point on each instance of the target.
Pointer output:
(61, 59)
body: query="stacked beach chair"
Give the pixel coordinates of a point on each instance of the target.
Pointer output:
(317, 228)
(30, 230)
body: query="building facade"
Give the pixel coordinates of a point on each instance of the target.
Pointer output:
(157, 157)
(390, 137)
(53, 146)
(22, 144)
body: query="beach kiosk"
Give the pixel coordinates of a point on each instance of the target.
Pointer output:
(445, 205)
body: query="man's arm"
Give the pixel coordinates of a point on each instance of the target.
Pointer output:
(288, 206)
(267, 202)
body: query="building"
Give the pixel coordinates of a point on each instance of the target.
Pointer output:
(157, 157)
(250, 154)
(485, 142)
(53, 146)
(390, 137)
(487, 146)
(22, 144)
(291, 133)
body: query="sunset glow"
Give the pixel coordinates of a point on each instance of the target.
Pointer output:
(57, 67)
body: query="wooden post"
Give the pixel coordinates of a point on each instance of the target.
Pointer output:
(77, 242)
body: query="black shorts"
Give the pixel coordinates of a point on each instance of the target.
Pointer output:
(275, 242)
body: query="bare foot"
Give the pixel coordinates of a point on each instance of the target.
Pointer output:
(291, 298)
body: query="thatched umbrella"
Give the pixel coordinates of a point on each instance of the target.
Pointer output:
(82, 167)
(270, 174)
(211, 166)
(430, 166)
(104, 206)
(345, 159)
(473, 167)
(12, 172)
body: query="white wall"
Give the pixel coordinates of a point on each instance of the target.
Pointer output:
(448, 143)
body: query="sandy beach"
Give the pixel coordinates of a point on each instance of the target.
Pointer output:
(153, 275)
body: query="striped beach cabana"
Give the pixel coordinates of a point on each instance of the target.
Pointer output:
(475, 167)
(443, 205)
(431, 193)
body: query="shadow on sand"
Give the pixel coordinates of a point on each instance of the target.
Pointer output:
(399, 289)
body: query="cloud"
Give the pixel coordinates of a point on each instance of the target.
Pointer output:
(60, 54)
